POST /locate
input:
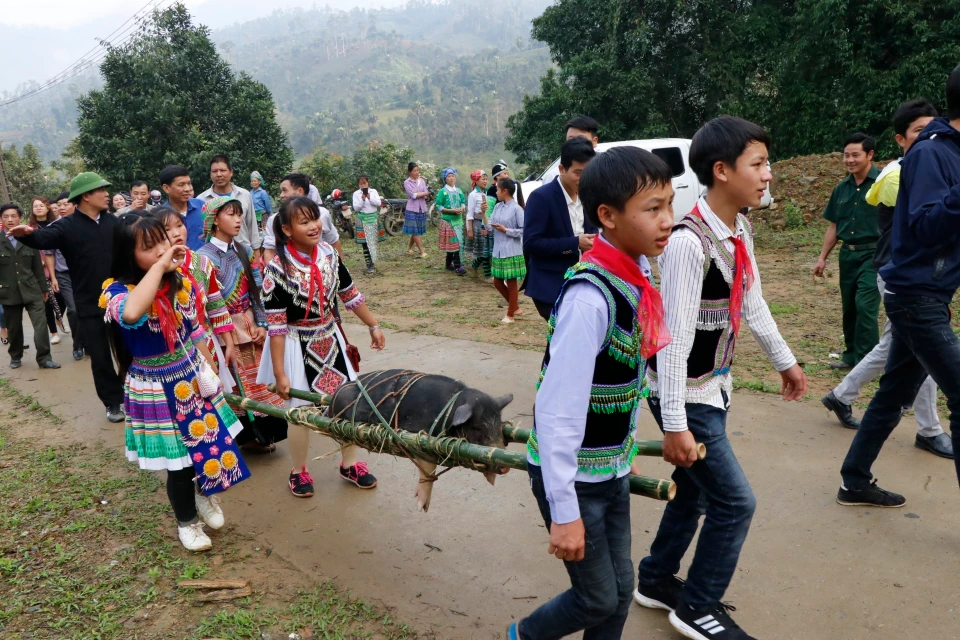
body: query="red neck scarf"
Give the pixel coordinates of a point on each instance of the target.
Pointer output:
(166, 316)
(316, 278)
(742, 277)
(650, 315)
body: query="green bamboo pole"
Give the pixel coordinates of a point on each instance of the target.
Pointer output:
(309, 396)
(441, 451)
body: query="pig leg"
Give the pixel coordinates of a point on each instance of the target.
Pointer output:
(424, 486)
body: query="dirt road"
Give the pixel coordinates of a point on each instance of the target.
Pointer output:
(810, 569)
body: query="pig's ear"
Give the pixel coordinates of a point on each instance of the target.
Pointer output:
(463, 413)
(503, 401)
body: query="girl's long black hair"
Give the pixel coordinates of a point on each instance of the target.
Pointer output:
(295, 206)
(135, 229)
(252, 288)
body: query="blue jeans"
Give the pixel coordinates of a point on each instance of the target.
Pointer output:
(922, 343)
(717, 487)
(601, 588)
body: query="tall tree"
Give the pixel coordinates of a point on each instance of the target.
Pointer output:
(26, 175)
(169, 98)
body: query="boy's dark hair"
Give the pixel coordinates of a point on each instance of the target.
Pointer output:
(862, 139)
(953, 94)
(909, 112)
(138, 183)
(583, 123)
(616, 175)
(171, 172)
(722, 139)
(508, 184)
(298, 181)
(63, 196)
(8, 206)
(297, 205)
(221, 158)
(577, 149)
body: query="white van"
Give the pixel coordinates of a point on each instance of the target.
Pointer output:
(674, 151)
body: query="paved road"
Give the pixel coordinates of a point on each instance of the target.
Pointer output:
(810, 569)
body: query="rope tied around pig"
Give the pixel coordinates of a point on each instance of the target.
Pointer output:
(443, 449)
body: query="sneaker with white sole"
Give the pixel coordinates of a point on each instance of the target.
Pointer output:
(193, 538)
(663, 595)
(208, 508)
(707, 624)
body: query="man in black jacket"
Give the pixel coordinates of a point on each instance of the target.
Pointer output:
(86, 241)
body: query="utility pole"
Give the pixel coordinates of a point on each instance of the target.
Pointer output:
(4, 185)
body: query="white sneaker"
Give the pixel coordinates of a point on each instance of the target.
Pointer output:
(55, 339)
(209, 511)
(193, 537)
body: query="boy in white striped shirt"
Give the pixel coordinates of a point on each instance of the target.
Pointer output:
(709, 281)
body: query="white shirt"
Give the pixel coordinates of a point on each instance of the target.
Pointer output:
(249, 231)
(475, 205)
(366, 205)
(564, 396)
(220, 244)
(575, 209)
(328, 232)
(681, 282)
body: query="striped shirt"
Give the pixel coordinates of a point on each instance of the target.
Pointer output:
(509, 244)
(681, 281)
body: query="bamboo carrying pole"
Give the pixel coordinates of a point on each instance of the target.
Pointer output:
(442, 451)
(511, 433)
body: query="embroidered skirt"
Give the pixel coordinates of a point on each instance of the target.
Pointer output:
(482, 244)
(171, 426)
(414, 223)
(512, 268)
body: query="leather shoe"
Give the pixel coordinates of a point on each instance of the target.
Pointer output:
(939, 445)
(78, 353)
(49, 364)
(15, 364)
(843, 411)
(841, 365)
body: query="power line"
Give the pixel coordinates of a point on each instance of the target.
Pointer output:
(97, 53)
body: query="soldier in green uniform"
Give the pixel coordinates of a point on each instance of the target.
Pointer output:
(854, 223)
(23, 286)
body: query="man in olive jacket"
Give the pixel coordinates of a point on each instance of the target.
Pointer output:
(23, 285)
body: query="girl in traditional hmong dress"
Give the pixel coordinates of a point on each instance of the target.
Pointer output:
(241, 289)
(507, 263)
(173, 421)
(306, 349)
(214, 314)
(415, 215)
(451, 203)
(478, 224)
(368, 230)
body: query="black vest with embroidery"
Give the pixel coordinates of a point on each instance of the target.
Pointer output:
(714, 341)
(609, 441)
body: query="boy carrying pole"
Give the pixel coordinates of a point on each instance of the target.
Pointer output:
(607, 321)
(709, 282)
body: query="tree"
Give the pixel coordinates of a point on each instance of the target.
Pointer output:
(25, 176)
(384, 164)
(169, 98)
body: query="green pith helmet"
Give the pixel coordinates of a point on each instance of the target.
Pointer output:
(85, 183)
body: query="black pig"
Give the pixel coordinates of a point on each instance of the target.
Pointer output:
(474, 416)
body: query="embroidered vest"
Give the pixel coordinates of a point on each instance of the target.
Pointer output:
(609, 442)
(714, 341)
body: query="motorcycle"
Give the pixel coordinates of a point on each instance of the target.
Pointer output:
(341, 211)
(392, 214)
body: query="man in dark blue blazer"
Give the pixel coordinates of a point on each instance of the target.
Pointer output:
(555, 231)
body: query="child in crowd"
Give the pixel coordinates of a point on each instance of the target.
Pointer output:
(307, 349)
(212, 312)
(607, 320)
(223, 219)
(174, 421)
(368, 230)
(507, 265)
(451, 203)
(709, 282)
(478, 224)
(415, 215)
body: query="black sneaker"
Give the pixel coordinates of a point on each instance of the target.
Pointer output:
(115, 413)
(663, 595)
(843, 411)
(301, 484)
(359, 475)
(707, 624)
(872, 496)
(78, 353)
